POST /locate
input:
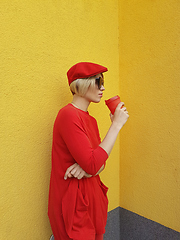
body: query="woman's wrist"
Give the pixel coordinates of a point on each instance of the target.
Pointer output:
(116, 125)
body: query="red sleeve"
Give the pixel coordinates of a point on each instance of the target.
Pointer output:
(78, 143)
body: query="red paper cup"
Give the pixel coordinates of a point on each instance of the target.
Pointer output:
(112, 103)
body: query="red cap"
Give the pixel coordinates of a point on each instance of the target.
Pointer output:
(84, 70)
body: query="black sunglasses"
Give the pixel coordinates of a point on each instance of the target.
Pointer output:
(100, 82)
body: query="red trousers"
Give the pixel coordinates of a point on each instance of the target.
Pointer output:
(99, 237)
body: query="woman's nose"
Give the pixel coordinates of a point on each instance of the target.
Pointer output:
(102, 88)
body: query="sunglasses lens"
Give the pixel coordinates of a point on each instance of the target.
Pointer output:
(100, 82)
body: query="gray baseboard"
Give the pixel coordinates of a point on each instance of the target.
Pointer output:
(126, 225)
(135, 227)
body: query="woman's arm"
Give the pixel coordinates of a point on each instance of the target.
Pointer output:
(70, 128)
(118, 120)
(100, 170)
(76, 171)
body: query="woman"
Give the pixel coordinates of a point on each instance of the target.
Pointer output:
(77, 197)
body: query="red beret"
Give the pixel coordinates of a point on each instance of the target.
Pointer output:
(84, 70)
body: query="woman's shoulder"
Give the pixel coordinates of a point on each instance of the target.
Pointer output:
(71, 113)
(66, 111)
(65, 117)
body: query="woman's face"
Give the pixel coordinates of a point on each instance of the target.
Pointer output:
(95, 94)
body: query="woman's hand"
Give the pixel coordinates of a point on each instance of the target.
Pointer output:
(76, 171)
(118, 120)
(120, 115)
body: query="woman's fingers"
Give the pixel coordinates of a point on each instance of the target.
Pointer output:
(69, 175)
(120, 105)
(74, 171)
(81, 175)
(124, 109)
(120, 115)
(78, 172)
(68, 171)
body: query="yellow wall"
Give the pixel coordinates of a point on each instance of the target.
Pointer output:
(150, 86)
(40, 41)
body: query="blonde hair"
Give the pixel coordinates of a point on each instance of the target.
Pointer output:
(81, 85)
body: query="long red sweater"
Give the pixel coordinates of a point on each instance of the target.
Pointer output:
(77, 208)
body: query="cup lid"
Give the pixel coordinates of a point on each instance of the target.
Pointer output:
(112, 99)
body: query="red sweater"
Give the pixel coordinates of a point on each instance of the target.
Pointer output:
(77, 208)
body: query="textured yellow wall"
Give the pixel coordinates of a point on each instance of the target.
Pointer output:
(40, 40)
(150, 86)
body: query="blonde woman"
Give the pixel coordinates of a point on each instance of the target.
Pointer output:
(77, 197)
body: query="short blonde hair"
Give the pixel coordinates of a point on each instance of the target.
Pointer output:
(80, 86)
